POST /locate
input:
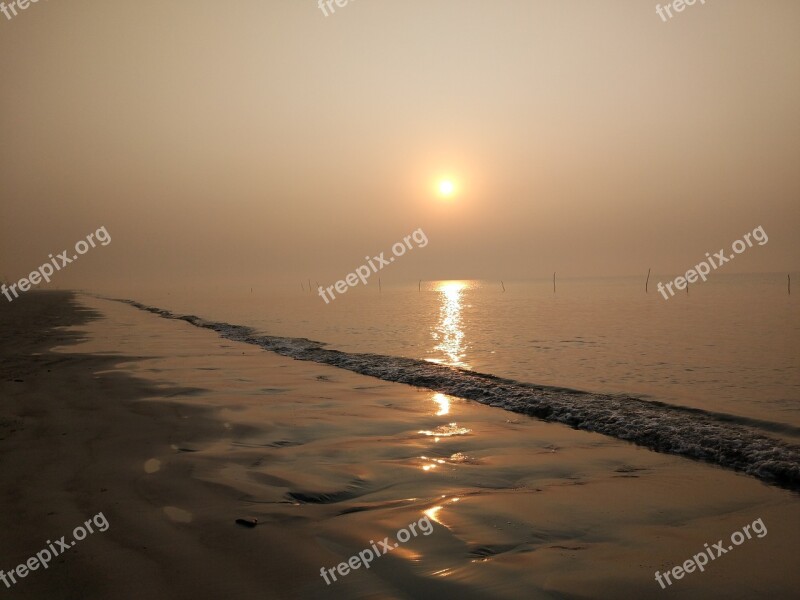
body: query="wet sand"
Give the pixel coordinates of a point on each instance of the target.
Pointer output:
(174, 433)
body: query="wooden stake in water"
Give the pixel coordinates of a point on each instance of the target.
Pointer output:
(648, 281)
(379, 285)
(419, 286)
(554, 282)
(309, 286)
(504, 285)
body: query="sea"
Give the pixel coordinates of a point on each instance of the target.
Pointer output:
(712, 373)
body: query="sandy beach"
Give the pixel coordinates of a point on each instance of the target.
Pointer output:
(174, 434)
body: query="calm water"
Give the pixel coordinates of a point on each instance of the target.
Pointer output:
(731, 345)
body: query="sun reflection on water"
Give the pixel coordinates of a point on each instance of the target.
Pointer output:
(433, 513)
(445, 431)
(444, 404)
(448, 331)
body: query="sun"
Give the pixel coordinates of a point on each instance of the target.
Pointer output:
(446, 188)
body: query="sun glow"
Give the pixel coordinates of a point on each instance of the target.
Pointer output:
(447, 188)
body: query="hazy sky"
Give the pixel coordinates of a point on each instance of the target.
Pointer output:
(260, 140)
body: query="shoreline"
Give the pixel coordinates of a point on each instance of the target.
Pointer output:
(736, 443)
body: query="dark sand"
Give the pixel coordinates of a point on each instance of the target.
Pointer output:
(174, 433)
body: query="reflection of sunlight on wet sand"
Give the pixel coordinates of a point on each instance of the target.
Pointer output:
(432, 464)
(407, 553)
(448, 331)
(444, 404)
(433, 513)
(445, 431)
